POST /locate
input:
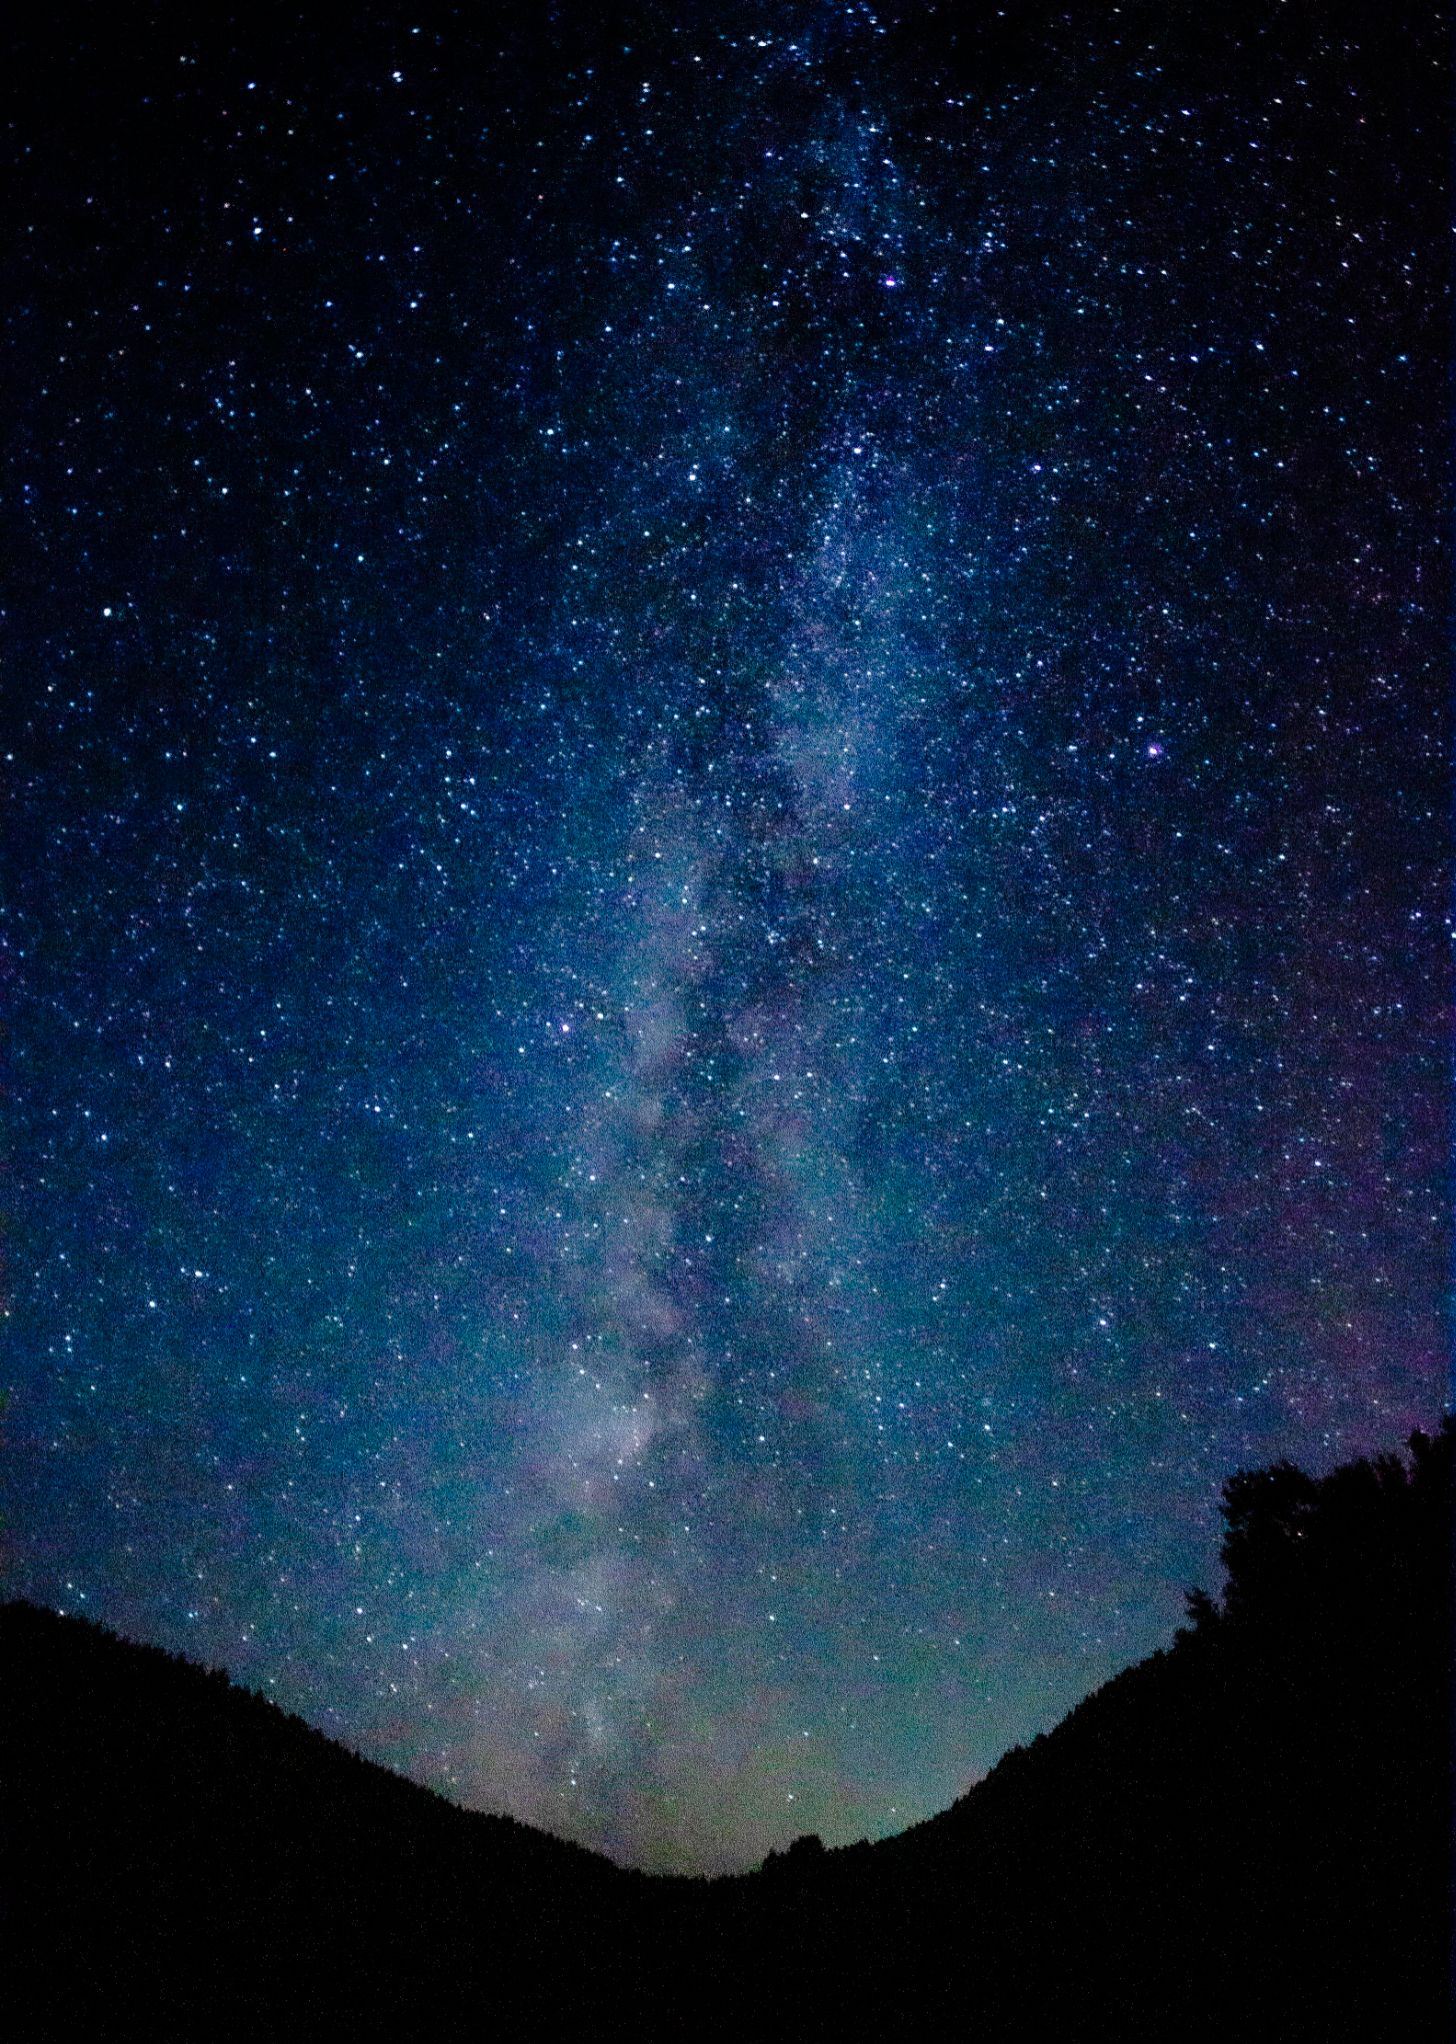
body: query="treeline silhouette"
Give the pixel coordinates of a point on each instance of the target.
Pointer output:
(1248, 1835)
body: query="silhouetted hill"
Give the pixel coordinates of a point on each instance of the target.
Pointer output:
(188, 1847)
(1250, 1831)
(1246, 1834)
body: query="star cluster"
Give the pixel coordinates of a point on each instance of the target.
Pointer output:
(727, 786)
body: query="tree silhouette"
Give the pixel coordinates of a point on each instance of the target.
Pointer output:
(1357, 1547)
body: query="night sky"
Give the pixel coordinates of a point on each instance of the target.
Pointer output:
(727, 827)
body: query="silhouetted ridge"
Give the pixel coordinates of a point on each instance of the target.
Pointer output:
(1253, 1824)
(193, 1851)
(198, 1745)
(1247, 1833)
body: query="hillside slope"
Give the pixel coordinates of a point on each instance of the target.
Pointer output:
(1250, 1831)
(185, 1848)
(1246, 1833)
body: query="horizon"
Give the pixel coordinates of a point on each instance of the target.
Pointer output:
(729, 835)
(679, 1873)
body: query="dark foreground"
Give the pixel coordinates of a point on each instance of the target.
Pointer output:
(1246, 1835)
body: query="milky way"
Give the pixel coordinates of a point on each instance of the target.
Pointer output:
(728, 812)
